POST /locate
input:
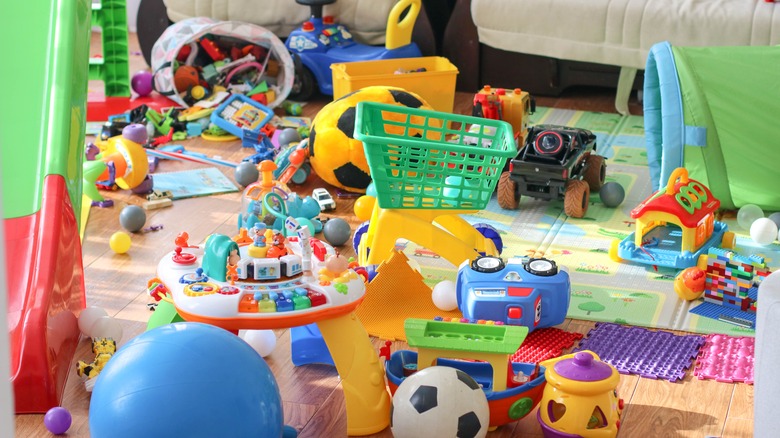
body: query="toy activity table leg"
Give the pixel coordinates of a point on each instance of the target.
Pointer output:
(362, 375)
(442, 231)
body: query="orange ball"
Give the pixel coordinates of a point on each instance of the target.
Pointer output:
(364, 206)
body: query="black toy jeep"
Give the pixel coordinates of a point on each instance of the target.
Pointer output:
(556, 162)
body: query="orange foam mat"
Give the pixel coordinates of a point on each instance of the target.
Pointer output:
(396, 293)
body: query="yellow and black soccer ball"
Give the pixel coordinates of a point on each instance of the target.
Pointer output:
(335, 154)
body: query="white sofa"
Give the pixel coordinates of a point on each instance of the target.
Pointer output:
(621, 32)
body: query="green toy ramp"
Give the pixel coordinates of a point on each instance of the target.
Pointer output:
(714, 111)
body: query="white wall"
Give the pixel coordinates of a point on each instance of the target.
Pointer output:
(132, 14)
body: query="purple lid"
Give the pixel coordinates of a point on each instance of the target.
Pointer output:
(583, 368)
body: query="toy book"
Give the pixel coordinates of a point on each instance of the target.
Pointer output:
(193, 183)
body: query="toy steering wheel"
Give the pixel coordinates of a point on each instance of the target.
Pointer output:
(315, 5)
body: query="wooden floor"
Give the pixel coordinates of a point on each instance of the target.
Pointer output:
(312, 397)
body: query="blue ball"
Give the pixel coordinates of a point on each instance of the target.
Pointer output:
(371, 190)
(186, 379)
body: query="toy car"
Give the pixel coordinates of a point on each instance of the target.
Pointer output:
(527, 292)
(322, 196)
(556, 162)
(320, 42)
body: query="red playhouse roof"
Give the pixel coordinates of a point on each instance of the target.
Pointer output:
(690, 201)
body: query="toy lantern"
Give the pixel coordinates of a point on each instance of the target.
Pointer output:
(580, 399)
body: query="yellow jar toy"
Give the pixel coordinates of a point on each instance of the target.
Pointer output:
(580, 399)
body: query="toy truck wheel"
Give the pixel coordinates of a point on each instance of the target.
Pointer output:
(613, 251)
(576, 198)
(507, 192)
(729, 240)
(595, 172)
(303, 85)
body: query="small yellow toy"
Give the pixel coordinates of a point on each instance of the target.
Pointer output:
(580, 399)
(103, 348)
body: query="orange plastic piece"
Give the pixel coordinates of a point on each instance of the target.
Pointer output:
(398, 287)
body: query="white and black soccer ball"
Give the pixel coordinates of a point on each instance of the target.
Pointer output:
(439, 402)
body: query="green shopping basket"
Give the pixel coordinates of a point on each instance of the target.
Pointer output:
(429, 160)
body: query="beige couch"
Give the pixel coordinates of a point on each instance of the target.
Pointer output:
(616, 33)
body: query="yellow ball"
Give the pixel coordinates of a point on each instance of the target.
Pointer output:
(119, 242)
(364, 205)
(335, 155)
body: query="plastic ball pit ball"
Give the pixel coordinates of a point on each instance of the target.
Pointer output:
(363, 207)
(748, 214)
(119, 242)
(246, 173)
(612, 194)
(262, 341)
(336, 231)
(763, 231)
(57, 420)
(289, 135)
(445, 295)
(203, 380)
(88, 317)
(141, 82)
(132, 218)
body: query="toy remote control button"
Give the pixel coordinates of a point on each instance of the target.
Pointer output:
(487, 264)
(541, 267)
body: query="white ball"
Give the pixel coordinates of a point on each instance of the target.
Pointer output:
(88, 317)
(263, 341)
(445, 295)
(106, 327)
(763, 231)
(439, 402)
(748, 214)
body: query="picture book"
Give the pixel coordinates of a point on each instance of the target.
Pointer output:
(192, 183)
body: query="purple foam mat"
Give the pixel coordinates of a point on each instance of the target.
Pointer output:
(635, 350)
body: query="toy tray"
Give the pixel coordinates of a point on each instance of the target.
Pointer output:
(430, 160)
(239, 112)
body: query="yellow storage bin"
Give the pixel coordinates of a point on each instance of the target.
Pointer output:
(436, 84)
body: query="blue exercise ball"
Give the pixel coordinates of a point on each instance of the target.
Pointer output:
(189, 380)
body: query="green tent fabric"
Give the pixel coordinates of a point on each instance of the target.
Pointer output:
(716, 112)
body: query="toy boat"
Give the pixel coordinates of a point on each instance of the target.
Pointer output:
(265, 291)
(506, 406)
(513, 389)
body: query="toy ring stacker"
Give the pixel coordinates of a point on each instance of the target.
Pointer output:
(134, 160)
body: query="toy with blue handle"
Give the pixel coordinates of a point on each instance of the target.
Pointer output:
(320, 42)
